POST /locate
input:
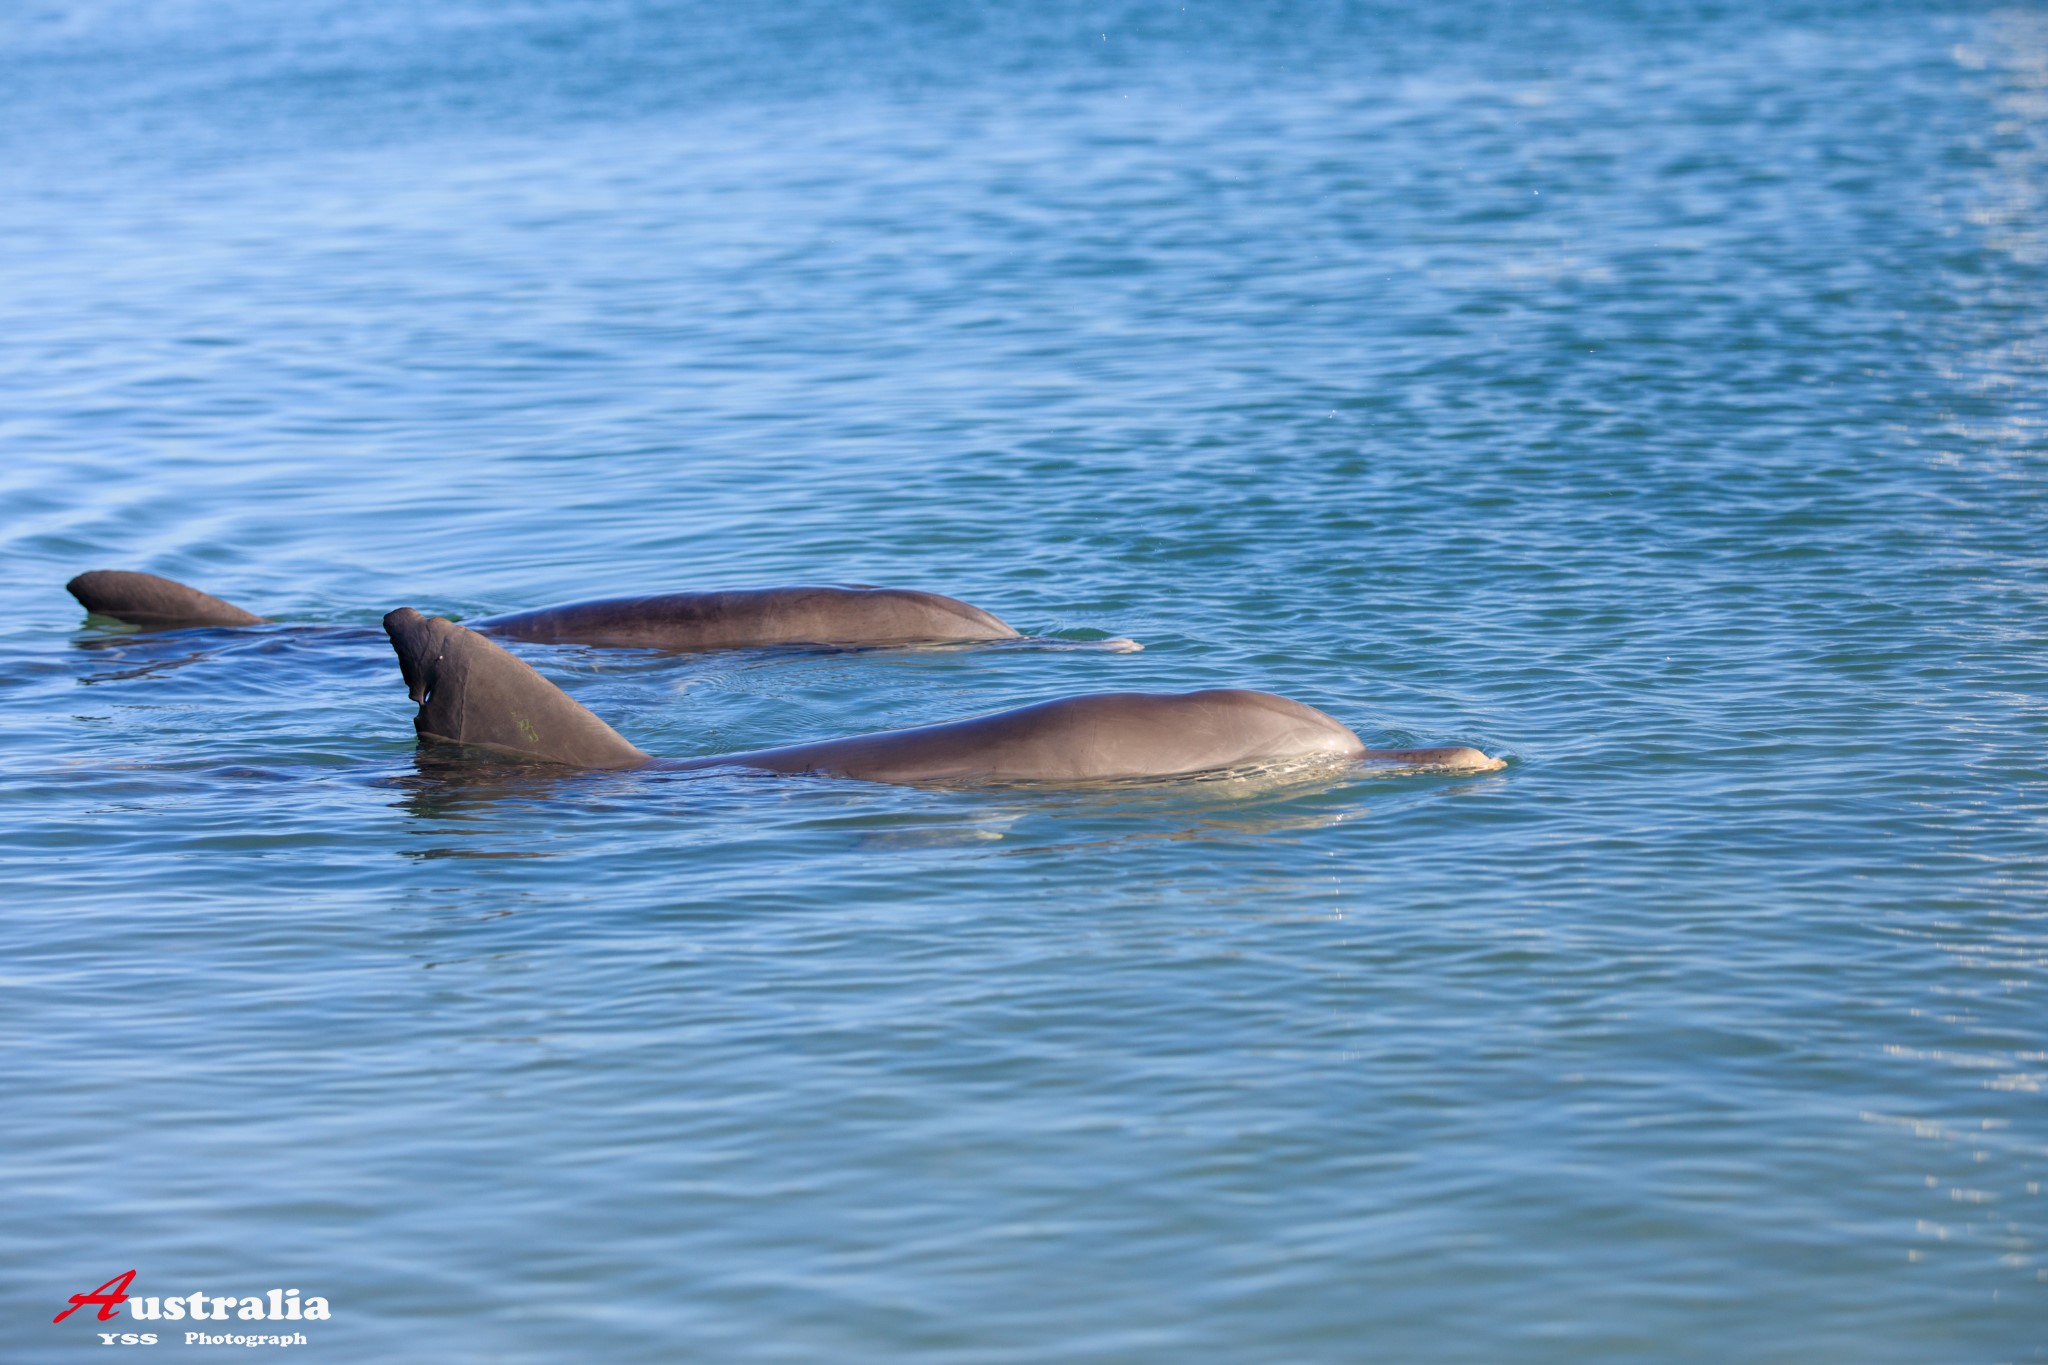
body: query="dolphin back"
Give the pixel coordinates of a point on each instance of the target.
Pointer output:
(751, 617)
(143, 599)
(1101, 737)
(472, 692)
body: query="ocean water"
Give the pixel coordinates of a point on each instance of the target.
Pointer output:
(1652, 394)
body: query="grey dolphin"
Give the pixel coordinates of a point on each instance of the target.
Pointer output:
(473, 692)
(143, 599)
(803, 615)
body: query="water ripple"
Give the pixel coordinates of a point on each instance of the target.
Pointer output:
(1653, 397)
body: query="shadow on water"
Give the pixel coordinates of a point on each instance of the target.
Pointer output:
(448, 782)
(127, 652)
(123, 652)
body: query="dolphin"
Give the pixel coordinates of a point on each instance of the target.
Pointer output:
(803, 615)
(474, 693)
(143, 599)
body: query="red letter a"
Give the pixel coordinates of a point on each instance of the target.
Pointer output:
(100, 1296)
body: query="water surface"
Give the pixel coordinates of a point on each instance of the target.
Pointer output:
(1653, 395)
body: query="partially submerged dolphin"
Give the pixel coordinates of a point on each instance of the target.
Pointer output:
(143, 599)
(806, 615)
(687, 620)
(472, 692)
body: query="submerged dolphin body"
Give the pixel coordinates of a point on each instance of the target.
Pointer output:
(688, 620)
(473, 692)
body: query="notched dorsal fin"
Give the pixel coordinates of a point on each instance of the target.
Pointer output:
(412, 636)
(472, 691)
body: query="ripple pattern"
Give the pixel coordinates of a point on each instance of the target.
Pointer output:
(1653, 394)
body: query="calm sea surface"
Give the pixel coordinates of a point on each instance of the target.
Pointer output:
(1651, 393)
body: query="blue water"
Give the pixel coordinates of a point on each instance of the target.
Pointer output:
(1653, 394)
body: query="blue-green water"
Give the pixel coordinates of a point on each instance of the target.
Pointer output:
(1652, 394)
